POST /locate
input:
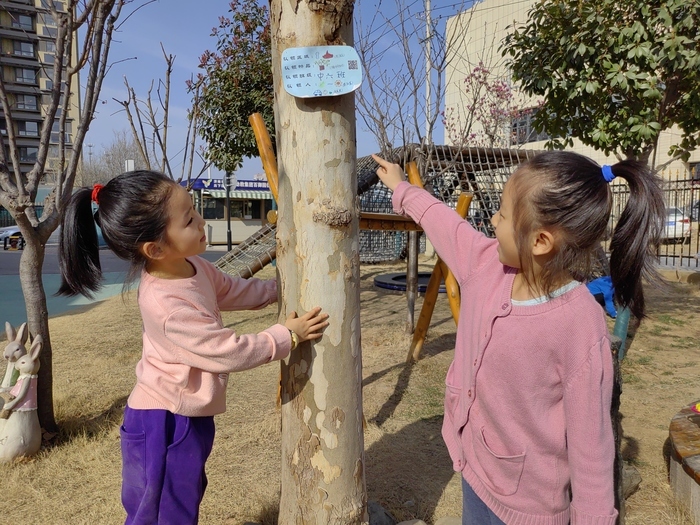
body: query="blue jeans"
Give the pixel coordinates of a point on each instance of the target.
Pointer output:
(475, 511)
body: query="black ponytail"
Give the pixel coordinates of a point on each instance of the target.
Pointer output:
(78, 249)
(132, 210)
(569, 194)
(636, 236)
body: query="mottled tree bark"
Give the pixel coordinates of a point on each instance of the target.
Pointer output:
(322, 472)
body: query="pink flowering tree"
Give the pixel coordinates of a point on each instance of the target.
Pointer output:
(485, 119)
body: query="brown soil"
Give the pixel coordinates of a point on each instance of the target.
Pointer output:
(407, 467)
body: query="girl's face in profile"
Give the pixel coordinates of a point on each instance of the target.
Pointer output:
(185, 232)
(502, 223)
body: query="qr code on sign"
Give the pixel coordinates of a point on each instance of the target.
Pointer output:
(352, 64)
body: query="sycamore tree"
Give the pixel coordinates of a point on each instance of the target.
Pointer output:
(82, 38)
(612, 73)
(235, 83)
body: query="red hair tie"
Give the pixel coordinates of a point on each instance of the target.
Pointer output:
(96, 193)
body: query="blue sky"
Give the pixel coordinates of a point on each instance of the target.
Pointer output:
(184, 28)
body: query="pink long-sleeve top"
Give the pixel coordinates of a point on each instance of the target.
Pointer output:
(528, 394)
(187, 352)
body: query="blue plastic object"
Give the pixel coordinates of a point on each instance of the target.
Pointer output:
(603, 286)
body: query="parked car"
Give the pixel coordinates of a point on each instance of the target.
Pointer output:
(677, 228)
(693, 211)
(10, 237)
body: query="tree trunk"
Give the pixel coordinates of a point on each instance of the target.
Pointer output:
(38, 323)
(322, 473)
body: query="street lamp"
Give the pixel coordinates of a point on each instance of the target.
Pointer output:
(229, 182)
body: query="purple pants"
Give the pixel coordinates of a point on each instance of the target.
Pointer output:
(163, 457)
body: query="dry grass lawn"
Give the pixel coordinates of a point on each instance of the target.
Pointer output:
(77, 481)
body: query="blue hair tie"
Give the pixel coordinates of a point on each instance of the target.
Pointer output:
(608, 175)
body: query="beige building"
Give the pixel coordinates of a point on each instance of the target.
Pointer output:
(27, 32)
(476, 36)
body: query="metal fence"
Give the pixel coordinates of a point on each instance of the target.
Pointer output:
(7, 220)
(679, 246)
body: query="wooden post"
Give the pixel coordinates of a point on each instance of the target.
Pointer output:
(412, 256)
(267, 154)
(440, 271)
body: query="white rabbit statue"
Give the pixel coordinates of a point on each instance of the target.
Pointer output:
(14, 350)
(20, 432)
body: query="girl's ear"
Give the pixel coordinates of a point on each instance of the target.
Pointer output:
(543, 242)
(152, 250)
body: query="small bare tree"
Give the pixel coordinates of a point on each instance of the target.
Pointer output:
(149, 125)
(82, 40)
(401, 104)
(112, 159)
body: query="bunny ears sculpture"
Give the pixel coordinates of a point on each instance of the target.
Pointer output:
(20, 431)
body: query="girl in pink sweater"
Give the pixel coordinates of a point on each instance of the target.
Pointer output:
(168, 431)
(528, 395)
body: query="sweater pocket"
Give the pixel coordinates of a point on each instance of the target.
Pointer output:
(501, 468)
(452, 426)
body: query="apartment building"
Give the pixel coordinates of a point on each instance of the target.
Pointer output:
(476, 35)
(27, 33)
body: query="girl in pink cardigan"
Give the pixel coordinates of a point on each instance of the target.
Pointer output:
(188, 353)
(528, 395)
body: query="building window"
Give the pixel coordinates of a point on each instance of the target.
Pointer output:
(523, 131)
(24, 22)
(28, 154)
(57, 126)
(23, 49)
(28, 129)
(3, 127)
(25, 76)
(48, 20)
(213, 209)
(27, 102)
(49, 47)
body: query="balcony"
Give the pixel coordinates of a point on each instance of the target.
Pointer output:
(23, 6)
(18, 61)
(18, 34)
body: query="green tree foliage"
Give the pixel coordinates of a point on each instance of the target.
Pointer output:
(613, 73)
(236, 82)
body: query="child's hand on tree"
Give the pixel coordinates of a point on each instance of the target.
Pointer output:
(308, 326)
(390, 174)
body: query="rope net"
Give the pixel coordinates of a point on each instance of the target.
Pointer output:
(446, 172)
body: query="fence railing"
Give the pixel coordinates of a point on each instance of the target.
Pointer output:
(681, 234)
(7, 220)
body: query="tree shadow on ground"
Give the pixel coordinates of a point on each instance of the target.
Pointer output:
(90, 424)
(408, 470)
(440, 344)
